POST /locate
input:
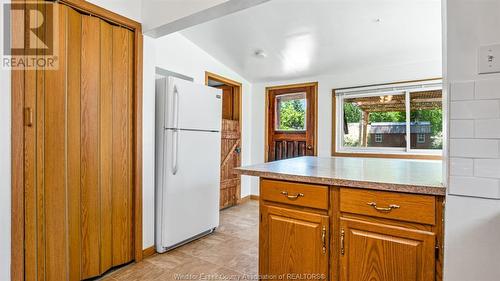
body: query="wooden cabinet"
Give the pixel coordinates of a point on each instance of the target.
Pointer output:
(348, 234)
(297, 194)
(380, 252)
(293, 244)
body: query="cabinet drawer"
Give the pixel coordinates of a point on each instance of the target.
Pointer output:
(299, 194)
(390, 205)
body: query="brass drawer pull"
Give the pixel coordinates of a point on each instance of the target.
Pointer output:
(342, 246)
(292, 197)
(383, 209)
(323, 239)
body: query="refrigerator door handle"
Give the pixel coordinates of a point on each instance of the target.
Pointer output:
(176, 108)
(175, 151)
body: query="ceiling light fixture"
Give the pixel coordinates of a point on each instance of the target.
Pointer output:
(260, 54)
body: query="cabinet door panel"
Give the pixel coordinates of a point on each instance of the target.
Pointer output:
(294, 243)
(378, 252)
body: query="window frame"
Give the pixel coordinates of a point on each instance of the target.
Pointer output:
(278, 114)
(405, 88)
(379, 138)
(418, 138)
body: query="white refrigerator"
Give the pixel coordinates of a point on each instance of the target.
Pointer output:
(188, 139)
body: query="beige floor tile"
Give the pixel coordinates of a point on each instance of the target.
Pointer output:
(230, 253)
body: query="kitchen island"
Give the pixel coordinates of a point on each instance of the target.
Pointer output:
(350, 219)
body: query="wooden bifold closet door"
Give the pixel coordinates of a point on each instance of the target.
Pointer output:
(79, 153)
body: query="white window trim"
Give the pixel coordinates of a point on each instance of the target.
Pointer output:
(418, 138)
(379, 138)
(403, 88)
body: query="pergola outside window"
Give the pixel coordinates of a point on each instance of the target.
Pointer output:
(391, 119)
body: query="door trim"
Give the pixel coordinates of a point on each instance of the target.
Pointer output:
(212, 76)
(222, 79)
(17, 137)
(266, 114)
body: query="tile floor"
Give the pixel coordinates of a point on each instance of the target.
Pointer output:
(231, 253)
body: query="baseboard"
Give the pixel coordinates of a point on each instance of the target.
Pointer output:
(244, 199)
(248, 198)
(148, 252)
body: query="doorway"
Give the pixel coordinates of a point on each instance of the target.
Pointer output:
(291, 121)
(230, 182)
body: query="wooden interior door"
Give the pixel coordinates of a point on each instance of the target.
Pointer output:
(231, 158)
(79, 160)
(230, 102)
(293, 243)
(378, 252)
(230, 182)
(291, 122)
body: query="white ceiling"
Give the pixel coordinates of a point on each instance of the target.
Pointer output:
(315, 37)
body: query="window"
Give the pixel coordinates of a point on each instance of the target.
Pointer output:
(404, 118)
(426, 120)
(420, 138)
(291, 112)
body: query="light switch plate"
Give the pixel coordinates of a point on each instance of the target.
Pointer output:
(489, 59)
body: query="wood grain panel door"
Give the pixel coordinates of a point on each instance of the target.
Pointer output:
(52, 173)
(106, 146)
(122, 49)
(378, 252)
(230, 159)
(293, 244)
(74, 31)
(291, 121)
(79, 161)
(89, 140)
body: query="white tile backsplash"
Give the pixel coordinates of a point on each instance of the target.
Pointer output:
(483, 109)
(462, 129)
(488, 168)
(474, 148)
(487, 89)
(472, 186)
(474, 138)
(461, 167)
(462, 91)
(487, 129)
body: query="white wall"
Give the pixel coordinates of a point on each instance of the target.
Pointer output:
(160, 12)
(129, 8)
(326, 84)
(5, 120)
(176, 53)
(148, 137)
(472, 225)
(163, 17)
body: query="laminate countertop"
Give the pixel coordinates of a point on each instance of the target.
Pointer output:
(410, 176)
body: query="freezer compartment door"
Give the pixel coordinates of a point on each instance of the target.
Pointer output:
(193, 106)
(191, 185)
